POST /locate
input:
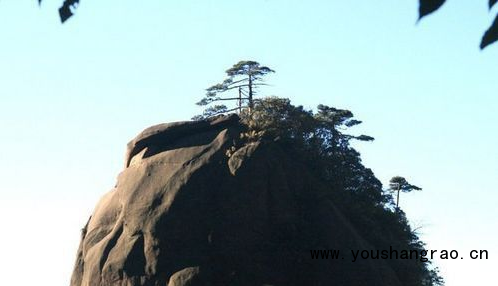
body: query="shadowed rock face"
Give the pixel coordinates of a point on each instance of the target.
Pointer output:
(183, 213)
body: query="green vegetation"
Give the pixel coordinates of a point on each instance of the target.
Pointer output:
(320, 140)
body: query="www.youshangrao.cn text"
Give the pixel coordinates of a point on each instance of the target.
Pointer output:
(422, 255)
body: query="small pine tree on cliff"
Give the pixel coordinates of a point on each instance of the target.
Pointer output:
(400, 184)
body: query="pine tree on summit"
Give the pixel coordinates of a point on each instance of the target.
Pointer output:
(398, 184)
(244, 77)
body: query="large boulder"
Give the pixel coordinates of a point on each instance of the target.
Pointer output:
(187, 212)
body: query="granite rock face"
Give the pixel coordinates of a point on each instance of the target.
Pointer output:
(184, 213)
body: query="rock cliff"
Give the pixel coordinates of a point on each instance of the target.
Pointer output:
(185, 213)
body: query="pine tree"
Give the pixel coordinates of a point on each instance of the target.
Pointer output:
(400, 184)
(244, 77)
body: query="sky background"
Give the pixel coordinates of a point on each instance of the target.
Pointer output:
(73, 95)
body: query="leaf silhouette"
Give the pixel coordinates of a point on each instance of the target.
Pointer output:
(428, 6)
(65, 11)
(492, 3)
(491, 34)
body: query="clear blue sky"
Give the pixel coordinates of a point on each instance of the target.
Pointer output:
(73, 95)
